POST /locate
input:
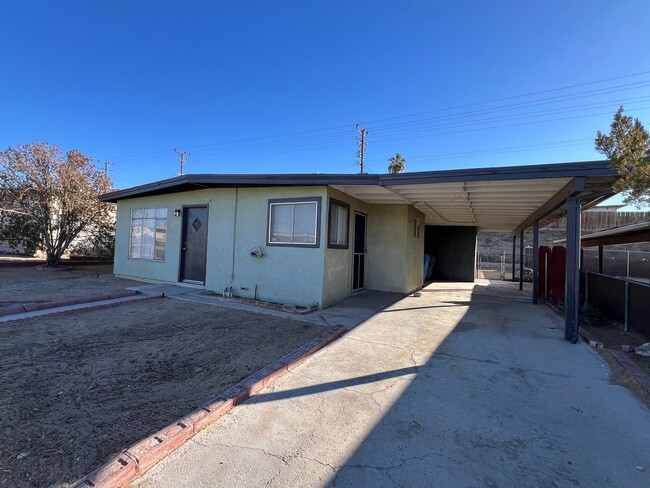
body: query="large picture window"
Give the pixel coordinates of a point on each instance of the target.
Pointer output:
(148, 233)
(294, 222)
(338, 225)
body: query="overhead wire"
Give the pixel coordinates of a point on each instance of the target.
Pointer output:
(444, 124)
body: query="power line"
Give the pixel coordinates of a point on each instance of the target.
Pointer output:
(337, 136)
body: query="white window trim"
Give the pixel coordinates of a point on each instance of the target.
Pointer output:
(294, 202)
(155, 219)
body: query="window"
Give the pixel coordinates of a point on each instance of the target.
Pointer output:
(148, 233)
(294, 222)
(339, 225)
(416, 228)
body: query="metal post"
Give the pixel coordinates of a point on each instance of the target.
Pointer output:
(600, 259)
(627, 266)
(571, 308)
(582, 258)
(514, 246)
(545, 277)
(627, 306)
(521, 260)
(535, 260)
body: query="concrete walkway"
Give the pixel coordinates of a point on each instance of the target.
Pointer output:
(350, 312)
(459, 387)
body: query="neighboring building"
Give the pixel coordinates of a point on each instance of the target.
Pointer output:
(305, 239)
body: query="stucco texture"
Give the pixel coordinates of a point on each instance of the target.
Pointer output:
(238, 222)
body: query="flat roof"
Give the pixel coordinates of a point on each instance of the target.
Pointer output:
(493, 199)
(625, 234)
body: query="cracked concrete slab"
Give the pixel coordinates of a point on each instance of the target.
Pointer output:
(463, 386)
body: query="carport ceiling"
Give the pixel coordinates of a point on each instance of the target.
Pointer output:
(489, 205)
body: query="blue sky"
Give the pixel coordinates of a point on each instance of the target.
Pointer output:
(278, 86)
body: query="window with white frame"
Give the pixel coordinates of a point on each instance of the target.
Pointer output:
(338, 225)
(416, 228)
(294, 222)
(148, 233)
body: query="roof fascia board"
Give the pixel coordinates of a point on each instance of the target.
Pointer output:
(562, 170)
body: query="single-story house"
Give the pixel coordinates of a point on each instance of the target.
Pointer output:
(316, 238)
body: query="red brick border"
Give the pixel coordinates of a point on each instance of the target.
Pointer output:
(588, 338)
(274, 306)
(27, 264)
(640, 376)
(31, 307)
(141, 456)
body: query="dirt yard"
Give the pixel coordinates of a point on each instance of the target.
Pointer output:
(77, 388)
(28, 285)
(612, 336)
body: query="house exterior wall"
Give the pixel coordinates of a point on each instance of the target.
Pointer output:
(238, 222)
(386, 245)
(292, 275)
(395, 256)
(337, 276)
(284, 274)
(414, 266)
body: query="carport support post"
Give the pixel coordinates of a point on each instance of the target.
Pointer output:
(521, 260)
(600, 259)
(571, 310)
(514, 247)
(535, 260)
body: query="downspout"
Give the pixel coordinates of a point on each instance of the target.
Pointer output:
(228, 291)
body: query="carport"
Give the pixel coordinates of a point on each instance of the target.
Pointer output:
(508, 199)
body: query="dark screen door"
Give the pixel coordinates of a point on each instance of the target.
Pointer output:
(359, 254)
(194, 245)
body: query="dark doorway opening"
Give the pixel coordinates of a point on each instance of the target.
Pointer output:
(194, 245)
(359, 252)
(452, 252)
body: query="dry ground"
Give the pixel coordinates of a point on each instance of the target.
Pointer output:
(74, 389)
(28, 285)
(612, 335)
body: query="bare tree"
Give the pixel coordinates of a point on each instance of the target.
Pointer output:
(52, 193)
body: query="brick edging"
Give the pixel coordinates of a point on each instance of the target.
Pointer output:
(27, 264)
(588, 338)
(144, 454)
(640, 376)
(31, 307)
(631, 367)
(272, 305)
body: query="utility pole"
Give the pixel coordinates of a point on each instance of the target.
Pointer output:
(361, 142)
(106, 165)
(181, 158)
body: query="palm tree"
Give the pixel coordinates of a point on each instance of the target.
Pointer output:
(397, 164)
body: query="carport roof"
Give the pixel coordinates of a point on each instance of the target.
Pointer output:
(493, 199)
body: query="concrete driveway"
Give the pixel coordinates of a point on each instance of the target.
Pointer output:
(468, 385)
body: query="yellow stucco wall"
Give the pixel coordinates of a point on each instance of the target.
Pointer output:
(237, 223)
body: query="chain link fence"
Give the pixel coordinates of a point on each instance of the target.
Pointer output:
(498, 266)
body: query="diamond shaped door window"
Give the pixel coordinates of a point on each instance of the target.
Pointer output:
(196, 224)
